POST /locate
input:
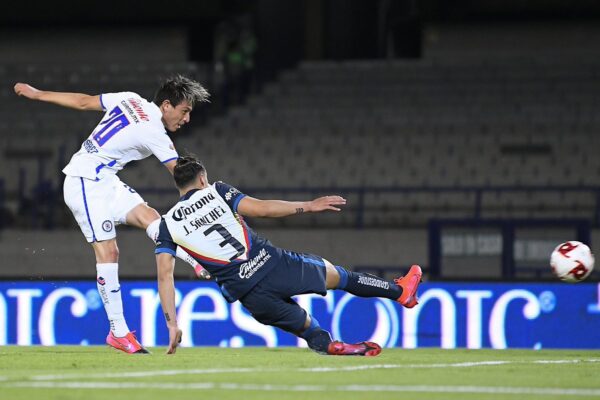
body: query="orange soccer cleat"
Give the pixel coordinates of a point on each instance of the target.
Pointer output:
(409, 284)
(128, 343)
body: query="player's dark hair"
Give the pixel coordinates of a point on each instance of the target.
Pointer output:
(186, 170)
(179, 88)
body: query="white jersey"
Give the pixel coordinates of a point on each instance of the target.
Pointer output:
(206, 224)
(130, 130)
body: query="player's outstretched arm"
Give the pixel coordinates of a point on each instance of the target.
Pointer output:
(165, 264)
(78, 101)
(251, 207)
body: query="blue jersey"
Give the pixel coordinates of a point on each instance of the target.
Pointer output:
(205, 223)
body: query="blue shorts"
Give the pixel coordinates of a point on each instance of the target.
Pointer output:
(270, 300)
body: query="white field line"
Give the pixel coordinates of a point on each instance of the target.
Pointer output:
(145, 374)
(311, 388)
(565, 361)
(389, 366)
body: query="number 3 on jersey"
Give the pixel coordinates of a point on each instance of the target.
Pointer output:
(113, 123)
(229, 239)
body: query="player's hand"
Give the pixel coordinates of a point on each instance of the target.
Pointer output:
(174, 339)
(25, 90)
(327, 203)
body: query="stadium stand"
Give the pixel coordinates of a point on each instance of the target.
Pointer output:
(364, 125)
(418, 126)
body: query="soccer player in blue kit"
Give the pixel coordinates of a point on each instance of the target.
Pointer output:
(207, 223)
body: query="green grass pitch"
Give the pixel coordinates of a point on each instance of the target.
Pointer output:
(71, 372)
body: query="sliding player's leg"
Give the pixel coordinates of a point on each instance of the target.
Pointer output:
(403, 290)
(270, 303)
(287, 315)
(320, 341)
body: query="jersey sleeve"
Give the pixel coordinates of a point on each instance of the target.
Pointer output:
(164, 241)
(231, 195)
(110, 100)
(161, 145)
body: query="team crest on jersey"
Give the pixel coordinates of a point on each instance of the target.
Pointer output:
(107, 226)
(230, 193)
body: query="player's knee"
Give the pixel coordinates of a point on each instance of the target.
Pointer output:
(151, 215)
(147, 215)
(111, 255)
(141, 216)
(333, 276)
(106, 252)
(278, 320)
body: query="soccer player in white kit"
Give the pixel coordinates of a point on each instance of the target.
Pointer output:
(132, 129)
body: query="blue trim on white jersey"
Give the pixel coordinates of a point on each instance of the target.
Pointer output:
(102, 165)
(165, 250)
(170, 159)
(188, 194)
(87, 212)
(102, 104)
(237, 200)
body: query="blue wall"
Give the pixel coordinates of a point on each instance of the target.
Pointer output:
(450, 315)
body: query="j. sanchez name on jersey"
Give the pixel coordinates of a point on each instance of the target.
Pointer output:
(207, 219)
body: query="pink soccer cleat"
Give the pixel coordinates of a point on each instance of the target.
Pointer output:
(368, 349)
(127, 344)
(409, 284)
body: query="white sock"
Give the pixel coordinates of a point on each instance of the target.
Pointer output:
(183, 255)
(110, 292)
(152, 229)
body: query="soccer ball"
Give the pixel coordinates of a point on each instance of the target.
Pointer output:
(572, 261)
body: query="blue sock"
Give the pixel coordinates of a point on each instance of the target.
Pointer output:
(367, 285)
(317, 339)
